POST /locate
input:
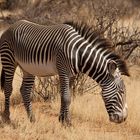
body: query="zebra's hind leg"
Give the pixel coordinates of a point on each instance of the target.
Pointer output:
(7, 79)
(27, 84)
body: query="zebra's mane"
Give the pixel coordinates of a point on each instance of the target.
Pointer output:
(89, 34)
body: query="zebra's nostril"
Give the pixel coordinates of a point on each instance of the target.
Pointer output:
(124, 119)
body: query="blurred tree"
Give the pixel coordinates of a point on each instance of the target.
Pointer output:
(136, 3)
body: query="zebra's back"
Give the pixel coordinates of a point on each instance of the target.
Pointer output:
(35, 46)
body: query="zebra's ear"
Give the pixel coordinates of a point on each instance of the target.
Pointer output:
(112, 65)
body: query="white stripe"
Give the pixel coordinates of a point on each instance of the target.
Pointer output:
(89, 45)
(95, 46)
(77, 68)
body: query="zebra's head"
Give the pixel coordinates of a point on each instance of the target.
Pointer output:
(114, 94)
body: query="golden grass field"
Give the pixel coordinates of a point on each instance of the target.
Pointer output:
(89, 117)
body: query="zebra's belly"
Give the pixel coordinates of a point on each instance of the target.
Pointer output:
(40, 69)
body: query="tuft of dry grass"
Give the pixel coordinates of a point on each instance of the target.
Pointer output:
(89, 118)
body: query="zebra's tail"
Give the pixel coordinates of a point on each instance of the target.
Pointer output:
(2, 79)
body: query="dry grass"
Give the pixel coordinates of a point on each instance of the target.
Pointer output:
(89, 118)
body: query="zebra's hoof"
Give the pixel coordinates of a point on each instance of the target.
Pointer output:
(32, 118)
(66, 121)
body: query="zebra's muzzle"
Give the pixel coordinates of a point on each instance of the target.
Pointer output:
(117, 118)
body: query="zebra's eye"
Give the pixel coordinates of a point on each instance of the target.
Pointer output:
(112, 67)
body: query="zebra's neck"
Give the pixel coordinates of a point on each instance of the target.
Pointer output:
(94, 63)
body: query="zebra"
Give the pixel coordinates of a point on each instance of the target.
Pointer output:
(62, 49)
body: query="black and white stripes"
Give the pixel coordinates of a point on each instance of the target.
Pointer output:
(63, 49)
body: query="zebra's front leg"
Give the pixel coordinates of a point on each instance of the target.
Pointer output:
(63, 71)
(27, 84)
(65, 98)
